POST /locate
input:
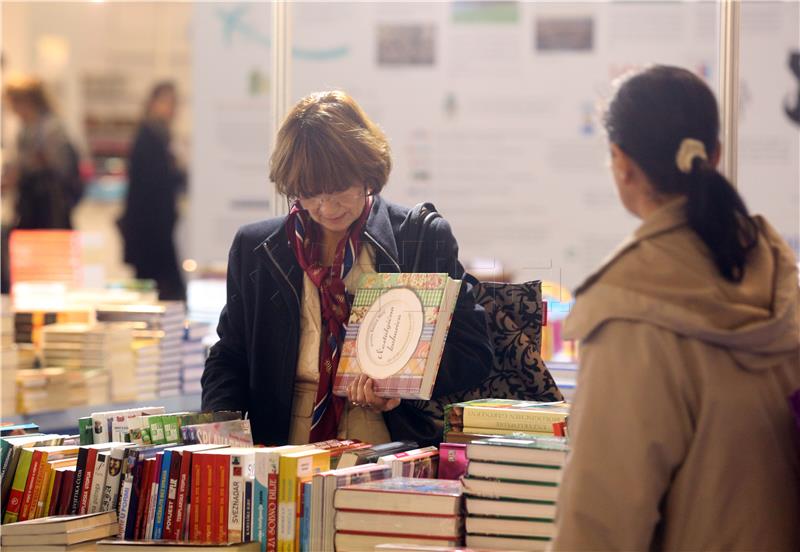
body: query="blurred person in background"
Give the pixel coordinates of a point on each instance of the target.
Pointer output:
(45, 171)
(154, 182)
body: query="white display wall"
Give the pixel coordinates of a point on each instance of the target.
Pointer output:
(491, 111)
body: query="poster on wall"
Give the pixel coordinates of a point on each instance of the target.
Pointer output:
(491, 109)
(232, 124)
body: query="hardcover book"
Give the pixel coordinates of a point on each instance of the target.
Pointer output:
(396, 333)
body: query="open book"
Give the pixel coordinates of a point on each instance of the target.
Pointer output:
(396, 333)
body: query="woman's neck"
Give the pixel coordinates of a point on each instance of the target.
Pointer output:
(330, 240)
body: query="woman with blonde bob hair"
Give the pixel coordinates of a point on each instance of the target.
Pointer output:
(289, 280)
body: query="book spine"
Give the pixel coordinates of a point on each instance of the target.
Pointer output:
(34, 479)
(143, 499)
(171, 433)
(85, 431)
(156, 426)
(222, 476)
(44, 493)
(206, 502)
(153, 499)
(14, 502)
(195, 534)
(86, 483)
(305, 517)
(113, 479)
(51, 506)
(183, 497)
(172, 496)
(506, 418)
(98, 483)
(124, 505)
(134, 467)
(163, 487)
(99, 429)
(287, 504)
(266, 468)
(235, 499)
(247, 532)
(65, 496)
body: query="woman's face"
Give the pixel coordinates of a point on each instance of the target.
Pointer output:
(336, 212)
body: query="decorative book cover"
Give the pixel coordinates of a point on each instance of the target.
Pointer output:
(396, 333)
(235, 433)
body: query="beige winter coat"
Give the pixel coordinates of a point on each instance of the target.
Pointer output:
(681, 434)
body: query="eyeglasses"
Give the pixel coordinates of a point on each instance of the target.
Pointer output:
(349, 195)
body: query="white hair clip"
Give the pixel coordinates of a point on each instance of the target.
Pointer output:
(690, 148)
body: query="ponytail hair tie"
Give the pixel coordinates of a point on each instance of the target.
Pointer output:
(690, 148)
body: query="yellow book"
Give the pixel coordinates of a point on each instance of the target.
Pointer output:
(43, 500)
(295, 468)
(13, 504)
(513, 415)
(49, 497)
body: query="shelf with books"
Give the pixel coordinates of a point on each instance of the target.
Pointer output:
(66, 421)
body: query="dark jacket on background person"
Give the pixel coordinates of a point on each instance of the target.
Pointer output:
(148, 223)
(253, 366)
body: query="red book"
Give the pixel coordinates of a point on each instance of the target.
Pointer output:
(207, 499)
(30, 484)
(86, 484)
(144, 498)
(182, 498)
(65, 496)
(222, 472)
(172, 496)
(272, 512)
(58, 477)
(195, 511)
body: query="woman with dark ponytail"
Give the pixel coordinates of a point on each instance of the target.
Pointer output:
(681, 434)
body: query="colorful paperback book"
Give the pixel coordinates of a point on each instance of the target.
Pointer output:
(265, 500)
(235, 433)
(406, 495)
(295, 469)
(323, 490)
(396, 333)
(505, 414)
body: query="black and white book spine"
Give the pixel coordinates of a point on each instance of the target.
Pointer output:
(248, 511)
(124, 504)
(113, 478)
(98, 482)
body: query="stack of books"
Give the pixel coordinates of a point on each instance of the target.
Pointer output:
(483, 418)
(321, 513)
(8, 357)
(164, 322)
(565, 375)
(69, 533)
(420, 463)
(511, 488)
(101, 350)
(45, 256)
(401, 511)
(44, 390)
(147, 361)
(194, 357)
(28, 324)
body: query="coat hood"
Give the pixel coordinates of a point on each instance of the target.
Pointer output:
(663, 275)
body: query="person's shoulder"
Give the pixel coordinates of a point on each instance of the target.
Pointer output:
(253, 234)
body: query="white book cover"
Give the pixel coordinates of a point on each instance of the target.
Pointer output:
(98, 482)
(242, 467)
(113, 478)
